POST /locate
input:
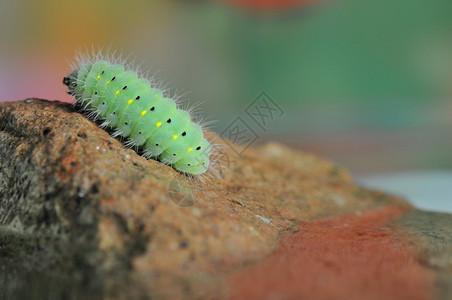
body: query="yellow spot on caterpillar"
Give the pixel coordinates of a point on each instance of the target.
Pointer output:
(130, 101)
(190, 149)
(143, 112)
(159, 124)
(175, 136)
(117, 92)
(98, 77)
(108, 81)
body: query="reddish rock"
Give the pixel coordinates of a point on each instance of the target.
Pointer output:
(355, 256)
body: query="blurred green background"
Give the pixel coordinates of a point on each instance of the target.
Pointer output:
(366, 83)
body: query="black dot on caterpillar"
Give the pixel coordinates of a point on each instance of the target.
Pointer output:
(109, 89)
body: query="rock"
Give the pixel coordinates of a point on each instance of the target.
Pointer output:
(100, 220)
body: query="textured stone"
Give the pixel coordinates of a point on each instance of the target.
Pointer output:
(72, 198)
(431, 232)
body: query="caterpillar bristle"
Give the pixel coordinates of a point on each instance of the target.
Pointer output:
(116, 133)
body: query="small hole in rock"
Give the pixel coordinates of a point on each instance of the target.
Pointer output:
(46, 131)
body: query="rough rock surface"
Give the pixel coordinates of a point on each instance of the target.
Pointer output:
(100, 220)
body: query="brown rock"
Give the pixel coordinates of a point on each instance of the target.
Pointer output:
(74, 198)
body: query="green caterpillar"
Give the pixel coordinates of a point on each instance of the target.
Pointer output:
(140, 112)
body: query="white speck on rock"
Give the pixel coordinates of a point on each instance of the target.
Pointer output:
(274, 150)
(264, 219)
(196, 212)
(339, 200)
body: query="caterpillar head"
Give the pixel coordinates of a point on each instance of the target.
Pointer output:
(193, 165)
(71, 82)
(198, 161)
